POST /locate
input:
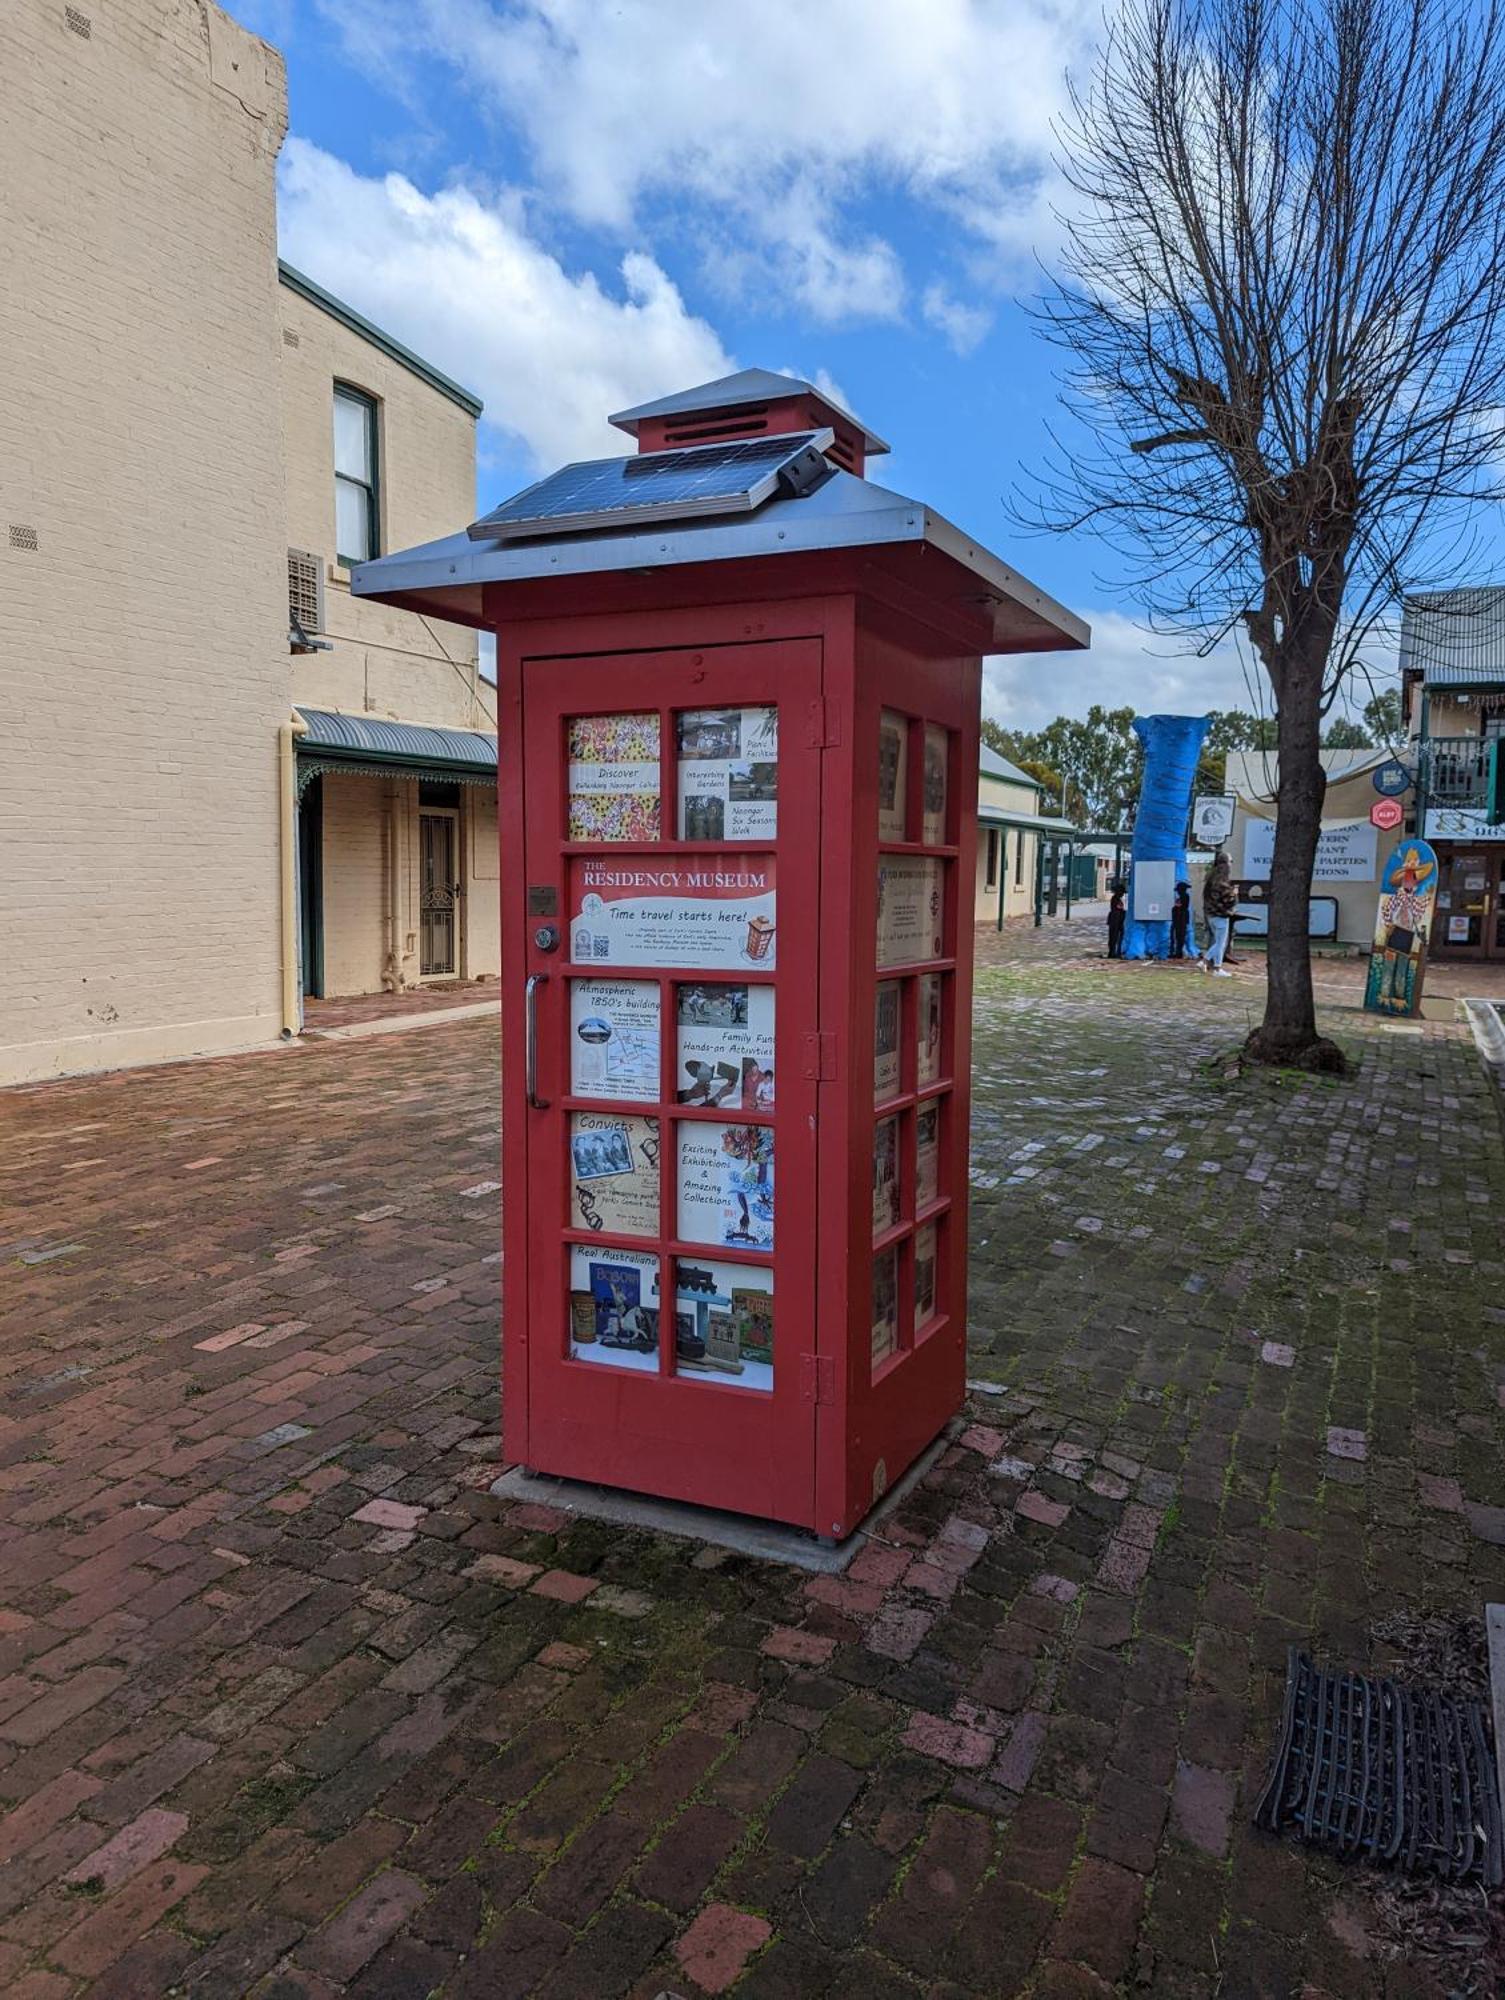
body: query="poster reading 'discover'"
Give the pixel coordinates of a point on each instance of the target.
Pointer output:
(728, 774)
(614, 1307)
(614, 1038)
(614, 1173)
(723, 1323)
(614, 777)
(726, 1184)
(725, 1059)
(893, 744)
(910, 908)
(694, 912)
(886, 1040)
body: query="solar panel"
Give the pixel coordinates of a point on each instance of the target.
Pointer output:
(734, 477)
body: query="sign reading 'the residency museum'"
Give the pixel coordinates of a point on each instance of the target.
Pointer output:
(1346, 850)
(695, 913)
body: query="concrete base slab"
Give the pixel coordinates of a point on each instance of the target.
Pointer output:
(766, 1541)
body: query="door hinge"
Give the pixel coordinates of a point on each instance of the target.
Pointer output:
(818, 1056)
(822, 731)
(818, 1378)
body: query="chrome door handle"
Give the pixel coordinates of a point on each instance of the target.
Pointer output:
(530, 1039)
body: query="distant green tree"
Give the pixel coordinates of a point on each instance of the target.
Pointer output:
(1382, 716)
(1346, 734)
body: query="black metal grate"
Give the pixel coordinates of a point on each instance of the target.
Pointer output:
(1394, 1774)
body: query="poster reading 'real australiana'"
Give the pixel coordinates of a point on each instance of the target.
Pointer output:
(614, 1173)
(725, 1046)
(694, 912)
(614, 1038)
(614, 777)
(614, 1307)
(726, 1184)
(728, 774)
(910, 908)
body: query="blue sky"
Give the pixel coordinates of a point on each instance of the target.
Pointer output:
(573, 205)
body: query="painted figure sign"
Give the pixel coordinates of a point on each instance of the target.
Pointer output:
(1408, 888)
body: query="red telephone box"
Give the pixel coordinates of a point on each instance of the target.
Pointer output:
(738, 692)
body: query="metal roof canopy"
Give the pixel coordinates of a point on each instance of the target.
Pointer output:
(733, 392)
(890, 540)
(370, 739)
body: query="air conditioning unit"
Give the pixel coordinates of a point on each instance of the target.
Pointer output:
(305, 601)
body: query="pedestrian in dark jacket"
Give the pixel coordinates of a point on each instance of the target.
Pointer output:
(1219, 901)
(1116, 915)
(1180, 919)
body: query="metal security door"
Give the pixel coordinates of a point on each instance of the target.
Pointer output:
(671, 828)
(438, 894)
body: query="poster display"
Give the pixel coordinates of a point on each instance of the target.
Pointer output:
(614, 1307)
(924, 1274)
(893, 792)
(726, 1184)
(723, 1323)
(928, 1029)
(885, 1175)
(725, 1050)
(728, 773)
(886, 1041)
(885, 1335)
(690, 912)
(1458, 929)
(1346, 850)
(614, 1038)
(937, 758)
(927, 1162)
(614, 1173)
(613, 777)
(1398, 959)
(911, 905)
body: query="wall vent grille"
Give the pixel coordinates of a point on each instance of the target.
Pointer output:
(24, 538)
(78, 24)
(305, 590)
(289, 338)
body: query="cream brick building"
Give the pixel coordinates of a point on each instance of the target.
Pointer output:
(166, 437)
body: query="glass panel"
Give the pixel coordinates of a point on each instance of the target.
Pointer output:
(927, 1167)
(614, 1173)
(924, 1274)
(728, 773)
(725, 1047)
(352, 521)
(928, 1029)
(911, 908)
(726, 1184)
(885, 1175)
(885, 1338)
(352, 437)
(723, 1323)
(614, 1038)
(886, 1078)
(614, 777)
(614, 1307)
(893, 745)
(937, 759)
(690, 912)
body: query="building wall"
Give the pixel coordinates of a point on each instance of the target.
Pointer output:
(1253, 775)
(356, 863)
(142, 540)
(1019, 879)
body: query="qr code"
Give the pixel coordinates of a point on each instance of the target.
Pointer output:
(601, 947)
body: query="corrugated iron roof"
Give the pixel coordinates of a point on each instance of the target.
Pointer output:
(991, 765)
(369, 737)
(731, 392)
(1455, 638)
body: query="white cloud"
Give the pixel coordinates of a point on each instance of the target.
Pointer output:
(964, 326)
(1125, 667)
(772, 123)
(460, 279)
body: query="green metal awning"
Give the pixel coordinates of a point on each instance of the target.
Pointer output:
(1060, 829)
(369, 746)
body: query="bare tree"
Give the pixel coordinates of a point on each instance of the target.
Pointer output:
(1282, 298)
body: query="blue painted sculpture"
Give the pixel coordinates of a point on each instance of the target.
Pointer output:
(1172, 745)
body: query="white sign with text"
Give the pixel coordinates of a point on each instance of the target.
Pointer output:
(1346, 850)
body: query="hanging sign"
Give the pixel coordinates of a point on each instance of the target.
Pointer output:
(1390, 778)
(1408, 888)
(1212, 818)
(1386, 814)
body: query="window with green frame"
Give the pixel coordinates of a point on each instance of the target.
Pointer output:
(357, 494)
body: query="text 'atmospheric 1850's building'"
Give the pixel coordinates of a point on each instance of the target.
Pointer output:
(226, 781)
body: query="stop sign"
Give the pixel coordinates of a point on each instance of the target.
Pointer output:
(1386, 814)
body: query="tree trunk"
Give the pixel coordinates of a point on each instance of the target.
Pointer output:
(1288, 1034)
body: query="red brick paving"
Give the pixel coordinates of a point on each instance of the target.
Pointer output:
(291, 1705)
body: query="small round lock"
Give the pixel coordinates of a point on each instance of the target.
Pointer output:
(546, 937)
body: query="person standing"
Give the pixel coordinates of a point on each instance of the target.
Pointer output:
(1219, 901)
(1180, 919)
(1116, 915)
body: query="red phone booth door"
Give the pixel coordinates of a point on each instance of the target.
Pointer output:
(672, 806)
